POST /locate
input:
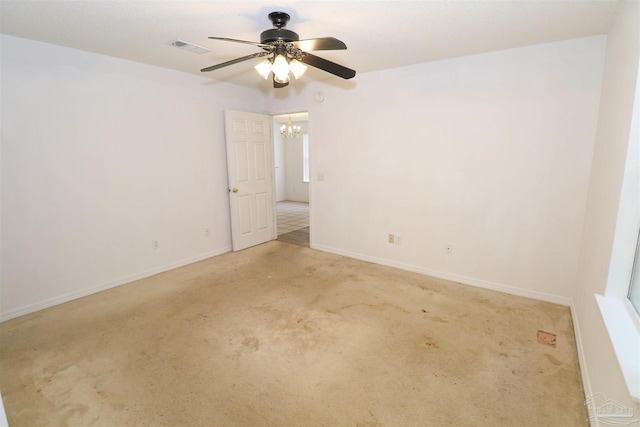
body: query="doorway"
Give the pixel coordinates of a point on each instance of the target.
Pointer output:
(291, 177)
(293, 222)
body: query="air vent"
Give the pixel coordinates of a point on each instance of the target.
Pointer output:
(190, 46)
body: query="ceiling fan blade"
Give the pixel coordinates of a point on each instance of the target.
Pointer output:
(322, 43)
(328, 66)
(279, 85)
(262, 45)
(235, 61)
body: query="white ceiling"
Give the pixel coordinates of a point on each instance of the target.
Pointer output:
(379, 34)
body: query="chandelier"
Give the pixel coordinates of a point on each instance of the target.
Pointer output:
(290, 130)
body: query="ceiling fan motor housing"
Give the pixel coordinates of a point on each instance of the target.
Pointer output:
(279, 20)
(276, 34)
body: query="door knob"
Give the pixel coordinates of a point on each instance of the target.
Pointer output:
(235, 190)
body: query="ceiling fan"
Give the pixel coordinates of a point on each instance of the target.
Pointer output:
(287, 53)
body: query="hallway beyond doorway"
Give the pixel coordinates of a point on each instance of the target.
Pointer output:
(293, 222)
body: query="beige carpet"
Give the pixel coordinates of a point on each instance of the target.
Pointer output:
(282, 335)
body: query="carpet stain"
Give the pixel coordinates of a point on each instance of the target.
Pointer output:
(378, 307)
(439, 319)
(546, 338)
(251, 343)
(431, 343)
(553, 360)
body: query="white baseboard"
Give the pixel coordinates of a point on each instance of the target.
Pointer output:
(21, 311)
(556, 299)
(582, 361)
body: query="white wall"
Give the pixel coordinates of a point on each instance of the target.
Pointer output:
(489, 153)
(599, 364)
(100, 157)
(296, 189)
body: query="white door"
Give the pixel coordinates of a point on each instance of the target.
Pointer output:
(250, 170)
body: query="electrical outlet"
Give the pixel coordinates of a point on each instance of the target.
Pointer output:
(448, 249)
(156, 244)
(207, 232)
(392, 238)
(398, 240)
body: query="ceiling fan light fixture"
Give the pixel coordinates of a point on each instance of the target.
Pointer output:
(280, 69)
(287, 53)
(297, 68)
(281, 80)
(264, 68)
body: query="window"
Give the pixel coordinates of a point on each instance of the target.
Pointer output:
(305, 157)
(619, 305)
(634, 286)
